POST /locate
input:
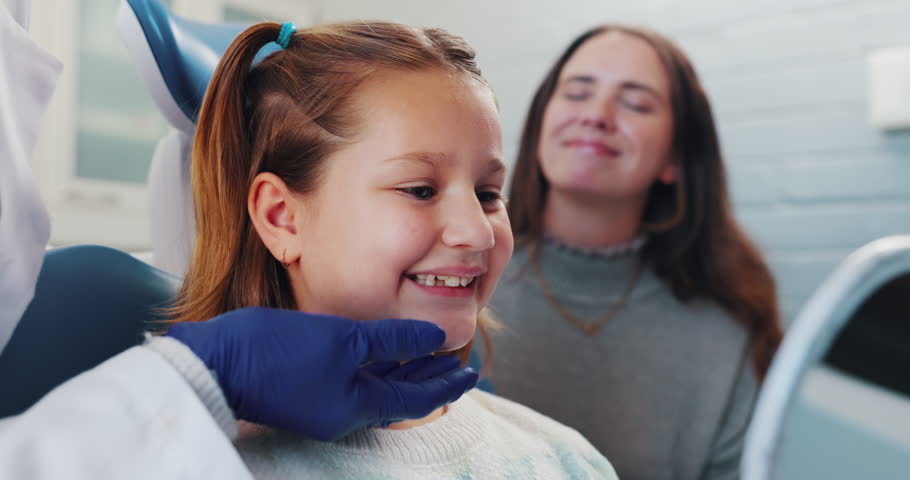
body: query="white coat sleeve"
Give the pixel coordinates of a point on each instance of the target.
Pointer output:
(134, 416)
(28, 74)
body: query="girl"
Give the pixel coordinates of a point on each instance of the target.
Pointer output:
(358, 172)
(630, 271)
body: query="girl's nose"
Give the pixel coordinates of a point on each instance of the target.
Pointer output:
(467, 226)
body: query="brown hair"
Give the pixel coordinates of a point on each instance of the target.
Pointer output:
(286, 115)
(700, 250)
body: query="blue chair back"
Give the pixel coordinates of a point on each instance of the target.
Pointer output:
(90, 303)
(176, 57)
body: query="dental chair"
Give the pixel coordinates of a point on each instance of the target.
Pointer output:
(836, 401)
(90, 303)
(176, 59)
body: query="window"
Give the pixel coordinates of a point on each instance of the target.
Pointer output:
(102, 127)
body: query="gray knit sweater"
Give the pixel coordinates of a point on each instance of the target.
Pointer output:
(665, 390)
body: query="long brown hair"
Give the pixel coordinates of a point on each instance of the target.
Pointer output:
(285, 115)
(706, 254)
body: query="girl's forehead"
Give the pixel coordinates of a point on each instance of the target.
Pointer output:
(413, 103)
(403, 114)
(393, 88)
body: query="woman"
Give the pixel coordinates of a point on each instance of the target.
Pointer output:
(630, 273)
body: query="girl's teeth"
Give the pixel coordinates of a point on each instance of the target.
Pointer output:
(443, 280)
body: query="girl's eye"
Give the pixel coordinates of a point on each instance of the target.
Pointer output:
(489, 197)
(420, 193)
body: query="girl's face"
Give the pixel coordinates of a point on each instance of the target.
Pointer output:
(407, 221)
(608, 128)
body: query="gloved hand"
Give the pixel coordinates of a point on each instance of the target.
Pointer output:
(324, 376)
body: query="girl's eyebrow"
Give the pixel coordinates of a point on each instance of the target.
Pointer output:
(433, 159)
(496, 165)
(429, 158)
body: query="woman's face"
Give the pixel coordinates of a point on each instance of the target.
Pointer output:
(408, 221)
(607, 131)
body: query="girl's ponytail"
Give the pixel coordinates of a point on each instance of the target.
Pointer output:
(220, 171)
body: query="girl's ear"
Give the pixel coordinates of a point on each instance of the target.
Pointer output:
(273, 208)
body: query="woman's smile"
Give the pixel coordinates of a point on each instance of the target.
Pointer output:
(594, 147)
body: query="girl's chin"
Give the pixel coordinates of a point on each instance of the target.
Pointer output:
(457, 334)
(452, 346)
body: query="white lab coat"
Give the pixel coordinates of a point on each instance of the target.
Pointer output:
(27, 77)
(133, 416)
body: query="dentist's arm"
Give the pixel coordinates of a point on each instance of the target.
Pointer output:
(157, 411)
(133, 416)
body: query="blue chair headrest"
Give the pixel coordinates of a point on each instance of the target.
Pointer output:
(176, 57)
(90, 303)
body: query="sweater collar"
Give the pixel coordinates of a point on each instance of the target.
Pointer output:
(448, 437)
(574, 274)
(628, 248)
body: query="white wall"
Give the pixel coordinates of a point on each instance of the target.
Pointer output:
(104, 209)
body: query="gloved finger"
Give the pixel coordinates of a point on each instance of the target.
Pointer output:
(393, 339)
(419, 399)
(424, 368)
(381, 369)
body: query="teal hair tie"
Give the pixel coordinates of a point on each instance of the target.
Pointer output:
(284, 37)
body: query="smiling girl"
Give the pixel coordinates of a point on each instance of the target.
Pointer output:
(358, 172)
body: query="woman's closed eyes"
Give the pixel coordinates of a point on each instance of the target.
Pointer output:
(629, 101)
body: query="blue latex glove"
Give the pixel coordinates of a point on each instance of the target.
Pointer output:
(324, 376)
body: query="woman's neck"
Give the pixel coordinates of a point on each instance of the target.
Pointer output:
(582, 221)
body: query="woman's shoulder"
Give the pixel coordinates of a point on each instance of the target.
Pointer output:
(710, 320)
(520, 424)
(700, 316)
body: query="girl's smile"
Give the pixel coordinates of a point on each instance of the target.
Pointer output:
(456, 281)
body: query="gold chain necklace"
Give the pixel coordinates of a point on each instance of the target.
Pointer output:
(589, 329)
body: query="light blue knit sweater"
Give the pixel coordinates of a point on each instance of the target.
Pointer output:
(481, 436)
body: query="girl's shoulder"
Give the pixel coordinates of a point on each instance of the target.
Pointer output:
(518, 425)
(520, 416)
